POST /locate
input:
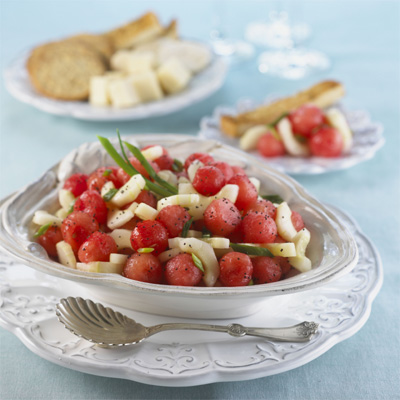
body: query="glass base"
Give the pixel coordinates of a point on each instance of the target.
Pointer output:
(292, 64)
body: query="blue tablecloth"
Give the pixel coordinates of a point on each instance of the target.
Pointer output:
(362, 40)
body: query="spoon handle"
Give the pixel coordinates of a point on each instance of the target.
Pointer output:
(298, 333)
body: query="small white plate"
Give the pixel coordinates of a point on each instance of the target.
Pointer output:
(188, 358)
(367, 140)
(201, 86)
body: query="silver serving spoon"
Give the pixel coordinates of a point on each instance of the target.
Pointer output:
(109, 328)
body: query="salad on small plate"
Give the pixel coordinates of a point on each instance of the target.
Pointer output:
(308, 133)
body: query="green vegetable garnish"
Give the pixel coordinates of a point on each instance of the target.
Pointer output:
(42, 230)
(300, 138)
(251, 250)
(197, 262)
(145, 250)
(177, 166)
(284, 115)
(129, 169)
(71, 206)
(107, 172)
(186, 228)
(251, 283)
(273, 198)
(138, 154)
(110, 194)
(205, 233)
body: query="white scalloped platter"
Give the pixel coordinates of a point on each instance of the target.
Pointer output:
(189, 358)
(201, 86)
(367, 140)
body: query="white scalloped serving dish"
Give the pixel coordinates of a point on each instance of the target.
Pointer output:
(367, 140)
(200, 87)
(183, 358)
(332, 249)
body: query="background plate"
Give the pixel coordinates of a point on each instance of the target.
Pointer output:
(201, 86)
(367, 140)
(188, 358)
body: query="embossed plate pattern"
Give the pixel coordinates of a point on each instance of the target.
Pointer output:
(27, 309)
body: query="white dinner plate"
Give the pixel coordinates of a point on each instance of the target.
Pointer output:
(201, 86)
(367, 140)
(188, 358)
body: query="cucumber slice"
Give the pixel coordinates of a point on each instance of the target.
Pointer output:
(116, 258)
(169, 177)
(339, 122)
(65, 254)
(186, 188)
(184, 200)
(61, 213)
(122, 238)
(204, 252)
(250, 138)
(194, 166)
(43, 218)
(145, 212)
(217, 242)
(300, 261)
(256, 182)
(101, 267)
(284, 222)
(169, 254)
(66, 198)
(128, 193)
(118, 218)
(292, 146)
(107, 187)
(152, 153)
(281, 249)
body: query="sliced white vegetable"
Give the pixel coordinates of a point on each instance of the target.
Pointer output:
(116, 258)
(145, 212)
(195, 234)
(107, 187)
(292, 145)
(186, 188)
(300, 261)
(122, 238)
(167, 255)
(202, 250)
(168, 176)
(128, 193)
(284, 222)
(217, 242)
(338, 121)
(184, 200)
(133, 207)
(256, 182)
(101, 266)
(194, 166)
(43, 218)
(229, 192)
(183, 179)
(152, 153)
(250, 138)
(118, 218)
(61, 213)
(65, 254)
(281, 249)
(66, 198)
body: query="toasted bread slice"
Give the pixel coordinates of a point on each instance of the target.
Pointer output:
(322, 94)
(171, 30)
(101, 43)
(62, 70)
(139, 31)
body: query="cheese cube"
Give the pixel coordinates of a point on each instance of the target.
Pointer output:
(146, 85)
(98, 91)
(173, 75)
(122, 93)
(137, 62)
